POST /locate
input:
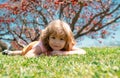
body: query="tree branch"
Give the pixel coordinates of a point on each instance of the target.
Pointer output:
(75, 18)
(102, 14)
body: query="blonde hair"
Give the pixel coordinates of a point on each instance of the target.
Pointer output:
(61, 28)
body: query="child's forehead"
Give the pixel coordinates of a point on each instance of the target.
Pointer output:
(58, 34)
(58, 30)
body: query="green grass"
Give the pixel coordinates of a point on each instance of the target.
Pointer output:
(97, 63)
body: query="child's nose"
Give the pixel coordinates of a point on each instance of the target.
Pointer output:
(57, 41)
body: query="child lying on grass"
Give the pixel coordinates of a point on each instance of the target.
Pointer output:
(56, 39)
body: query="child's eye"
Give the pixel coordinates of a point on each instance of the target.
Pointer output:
(53, 37)
(61, 39)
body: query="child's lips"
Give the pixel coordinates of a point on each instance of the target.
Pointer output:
(55, 46)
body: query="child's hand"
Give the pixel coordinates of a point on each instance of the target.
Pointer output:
(81, 51)
(77, 51)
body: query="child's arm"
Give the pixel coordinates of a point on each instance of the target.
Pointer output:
(73, 51)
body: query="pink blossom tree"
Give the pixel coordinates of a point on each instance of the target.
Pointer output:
(23, 20)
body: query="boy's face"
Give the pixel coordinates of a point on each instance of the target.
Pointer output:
(56, 42)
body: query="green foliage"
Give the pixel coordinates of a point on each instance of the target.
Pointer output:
(97, 63)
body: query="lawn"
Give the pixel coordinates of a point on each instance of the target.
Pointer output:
(97, 63)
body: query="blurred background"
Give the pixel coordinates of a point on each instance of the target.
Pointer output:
(95, 23)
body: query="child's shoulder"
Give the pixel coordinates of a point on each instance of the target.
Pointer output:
(29, 47)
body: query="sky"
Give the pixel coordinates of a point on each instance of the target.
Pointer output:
(88, 42)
